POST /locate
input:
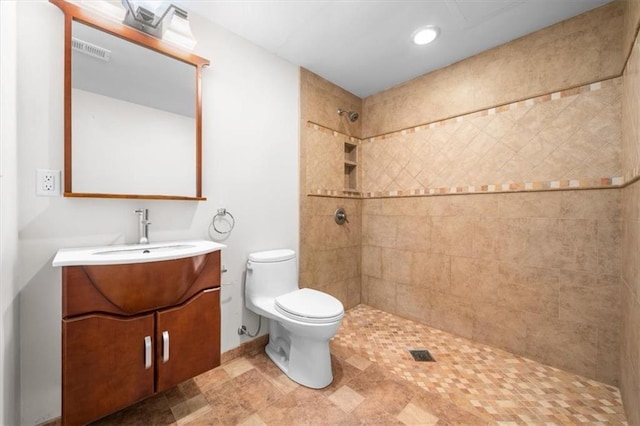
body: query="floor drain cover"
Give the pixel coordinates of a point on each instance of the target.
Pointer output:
(421, 355)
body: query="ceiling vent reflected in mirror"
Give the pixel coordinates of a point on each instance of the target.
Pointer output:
(90, 49)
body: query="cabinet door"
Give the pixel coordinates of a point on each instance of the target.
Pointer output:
(106, 365)
(188, 339)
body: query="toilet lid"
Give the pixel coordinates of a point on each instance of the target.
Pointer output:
(309, 305)
(272, 255)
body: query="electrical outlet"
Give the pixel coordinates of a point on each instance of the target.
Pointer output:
(48, 183)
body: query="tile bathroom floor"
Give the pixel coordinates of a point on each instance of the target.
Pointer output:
(376, 381)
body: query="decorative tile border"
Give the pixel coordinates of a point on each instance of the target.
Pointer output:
(323, 129)
(335, 193)
(564, 184)
(550, 97)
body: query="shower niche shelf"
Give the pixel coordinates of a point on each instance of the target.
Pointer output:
(350, 167)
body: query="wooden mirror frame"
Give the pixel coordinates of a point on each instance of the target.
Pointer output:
(72, 13)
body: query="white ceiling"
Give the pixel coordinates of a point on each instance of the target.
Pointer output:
(364, 46)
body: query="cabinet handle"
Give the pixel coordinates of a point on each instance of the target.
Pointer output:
(165, 346)
(147, 352)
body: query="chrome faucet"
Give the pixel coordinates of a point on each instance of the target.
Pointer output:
(143, 226)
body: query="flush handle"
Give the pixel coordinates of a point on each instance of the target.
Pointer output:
(340, 216)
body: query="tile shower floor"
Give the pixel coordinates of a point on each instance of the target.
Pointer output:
(376, 381)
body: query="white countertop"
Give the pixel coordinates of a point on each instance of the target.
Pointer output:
(133, 253)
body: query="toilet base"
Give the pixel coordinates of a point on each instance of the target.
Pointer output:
(303, 360)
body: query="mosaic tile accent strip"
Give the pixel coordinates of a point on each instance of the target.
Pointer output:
(323, 129)
(491, 383)
(565, 184)
(334, 193)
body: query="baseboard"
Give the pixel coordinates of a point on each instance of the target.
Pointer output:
(250, 347)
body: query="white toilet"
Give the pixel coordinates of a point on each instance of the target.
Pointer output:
(301, 320)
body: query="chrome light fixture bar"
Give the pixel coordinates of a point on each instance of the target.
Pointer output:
(172, 25)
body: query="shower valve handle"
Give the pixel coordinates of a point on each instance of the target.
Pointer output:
(340, 216)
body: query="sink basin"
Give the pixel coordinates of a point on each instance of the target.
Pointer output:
(133, 253)
(146, 250)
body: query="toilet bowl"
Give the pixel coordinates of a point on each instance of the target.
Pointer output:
(302, 321)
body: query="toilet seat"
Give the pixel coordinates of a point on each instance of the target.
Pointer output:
(311, 306)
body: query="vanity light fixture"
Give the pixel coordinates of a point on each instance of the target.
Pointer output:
(425, 35)
(172, 25)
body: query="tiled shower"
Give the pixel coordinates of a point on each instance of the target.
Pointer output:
(495, 198)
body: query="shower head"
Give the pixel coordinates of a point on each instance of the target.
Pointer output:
(353, 116)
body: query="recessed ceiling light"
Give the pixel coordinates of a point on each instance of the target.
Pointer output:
(425, 35)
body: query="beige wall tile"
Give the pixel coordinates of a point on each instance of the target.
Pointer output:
(372, 261)
(325, 160)
(500, 327)
(630, 354)
(609, 245)
(531, 205)
(527, 290)
(608, 358)
(630, 312)
(431, 271)
(414, 302)
(631, 22)
(396, 265)
(485, 237)
(413, 233)
(568, 244)
(511, 241)
(562, 344)
(452, 235)
(572, 137)
(630, 108)
(320, 100)
(595, 306)
(474, 276)
(630, 248)
(596, 204)
(381, 294)
(451, 313)
(354, 296)
(492, 266)
(337, 289)
(380, 231)
(485, 205)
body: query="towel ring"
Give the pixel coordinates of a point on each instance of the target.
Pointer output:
(222, 214)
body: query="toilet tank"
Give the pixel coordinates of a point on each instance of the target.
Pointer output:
(271, 274)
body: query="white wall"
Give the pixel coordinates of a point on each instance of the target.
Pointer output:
(9, 338)
(250, 136)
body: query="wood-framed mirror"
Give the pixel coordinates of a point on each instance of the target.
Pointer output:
(132, 112)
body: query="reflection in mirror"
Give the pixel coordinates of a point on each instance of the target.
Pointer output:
(133, 118)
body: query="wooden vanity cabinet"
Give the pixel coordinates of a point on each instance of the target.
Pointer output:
(103, 366)
(111, 360)
(193, 330)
